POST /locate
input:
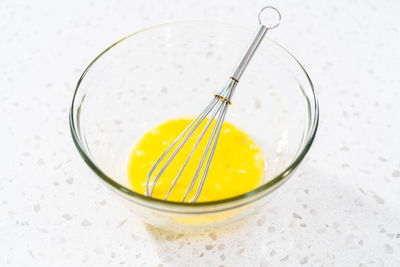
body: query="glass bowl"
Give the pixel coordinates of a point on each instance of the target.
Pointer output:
(172, 70)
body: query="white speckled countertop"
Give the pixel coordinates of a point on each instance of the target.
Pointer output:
(341, 208)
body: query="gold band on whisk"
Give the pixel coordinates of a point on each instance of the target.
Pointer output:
(223, 99)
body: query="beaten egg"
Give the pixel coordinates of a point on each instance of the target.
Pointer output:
(237, 167)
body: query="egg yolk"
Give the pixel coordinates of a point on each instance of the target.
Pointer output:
(237, 166)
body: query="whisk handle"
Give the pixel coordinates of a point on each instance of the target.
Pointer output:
(244, 61)
(257, 38)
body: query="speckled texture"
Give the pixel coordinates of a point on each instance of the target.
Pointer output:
(341, 208)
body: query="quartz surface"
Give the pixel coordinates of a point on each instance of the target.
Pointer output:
(341, 208)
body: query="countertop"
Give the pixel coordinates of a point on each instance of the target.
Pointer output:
(341, 208)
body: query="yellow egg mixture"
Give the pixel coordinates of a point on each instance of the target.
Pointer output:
(236, 168)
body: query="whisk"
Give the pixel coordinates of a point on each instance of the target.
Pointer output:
(217, 108)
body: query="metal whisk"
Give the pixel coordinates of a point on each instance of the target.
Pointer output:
(217, 107)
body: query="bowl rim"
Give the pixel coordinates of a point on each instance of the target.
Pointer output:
(273, 184)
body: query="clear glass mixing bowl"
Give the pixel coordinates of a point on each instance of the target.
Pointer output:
(172, 70)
